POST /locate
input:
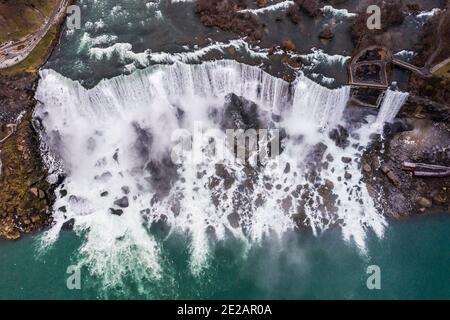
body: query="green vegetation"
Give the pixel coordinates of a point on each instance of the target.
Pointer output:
(21, 175)
(444, 71)
(19, 18)
(37, 57)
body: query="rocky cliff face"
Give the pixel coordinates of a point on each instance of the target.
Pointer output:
(25, 194)
(398, 191)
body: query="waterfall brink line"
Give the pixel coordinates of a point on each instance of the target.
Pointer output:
(114, 143)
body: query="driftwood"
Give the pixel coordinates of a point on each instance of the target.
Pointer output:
(427, 170)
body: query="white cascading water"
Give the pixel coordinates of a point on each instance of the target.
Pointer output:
(393, 101)
(103, 138)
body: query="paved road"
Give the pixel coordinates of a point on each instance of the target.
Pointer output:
(13, 53)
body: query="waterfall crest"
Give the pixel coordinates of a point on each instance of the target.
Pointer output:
(393, 101)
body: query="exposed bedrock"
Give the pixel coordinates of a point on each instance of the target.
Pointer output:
(225, 15)
(400, 193)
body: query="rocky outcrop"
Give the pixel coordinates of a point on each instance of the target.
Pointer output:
(310, 7)
(397, 191)
(25, 194)
(327, 32)
(424, 108)
(392, 13)
(225, 15)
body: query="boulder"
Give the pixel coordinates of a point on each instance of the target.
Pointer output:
(367, 168)
(122, 202)
(116, 212)
(288, 45)
(310, 7)
(68, 225)
(327, 32)
(346, 159)
(424, 202)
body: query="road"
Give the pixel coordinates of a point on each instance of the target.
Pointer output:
(13, 53)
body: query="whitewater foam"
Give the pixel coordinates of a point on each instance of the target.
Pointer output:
(114, 141)
(271, 7)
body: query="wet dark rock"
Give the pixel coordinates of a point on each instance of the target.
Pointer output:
(213, 182)
(122, 202)
(62, 193)
(340, 136)
(125, 189)
(161, 227)
(143, 143)
(116, 212)
(240, 113)
(223, 173)
(327, 32)
(329, 184)
(116, 156)
(104, 194)
(310, 7)
(104, 177)
(330, 158)
(439, 197)
(317, 153)
(259, 200)
(395, 127)
(287, 169)
(62, 209)
(293, 13)
(162, 174)
(225, 15)
(68, 225)
(233, 218)
(346, 159)
(286, 204)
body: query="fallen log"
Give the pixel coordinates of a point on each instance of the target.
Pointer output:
(427, 170)
(442, 174)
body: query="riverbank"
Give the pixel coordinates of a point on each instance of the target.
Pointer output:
(26, 195)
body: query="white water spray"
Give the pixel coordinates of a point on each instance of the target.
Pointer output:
(108, 137)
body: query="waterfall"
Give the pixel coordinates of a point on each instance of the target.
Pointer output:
(114, 142)
(390, 107)
(319, 106)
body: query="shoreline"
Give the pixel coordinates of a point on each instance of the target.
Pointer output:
(23, 173)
